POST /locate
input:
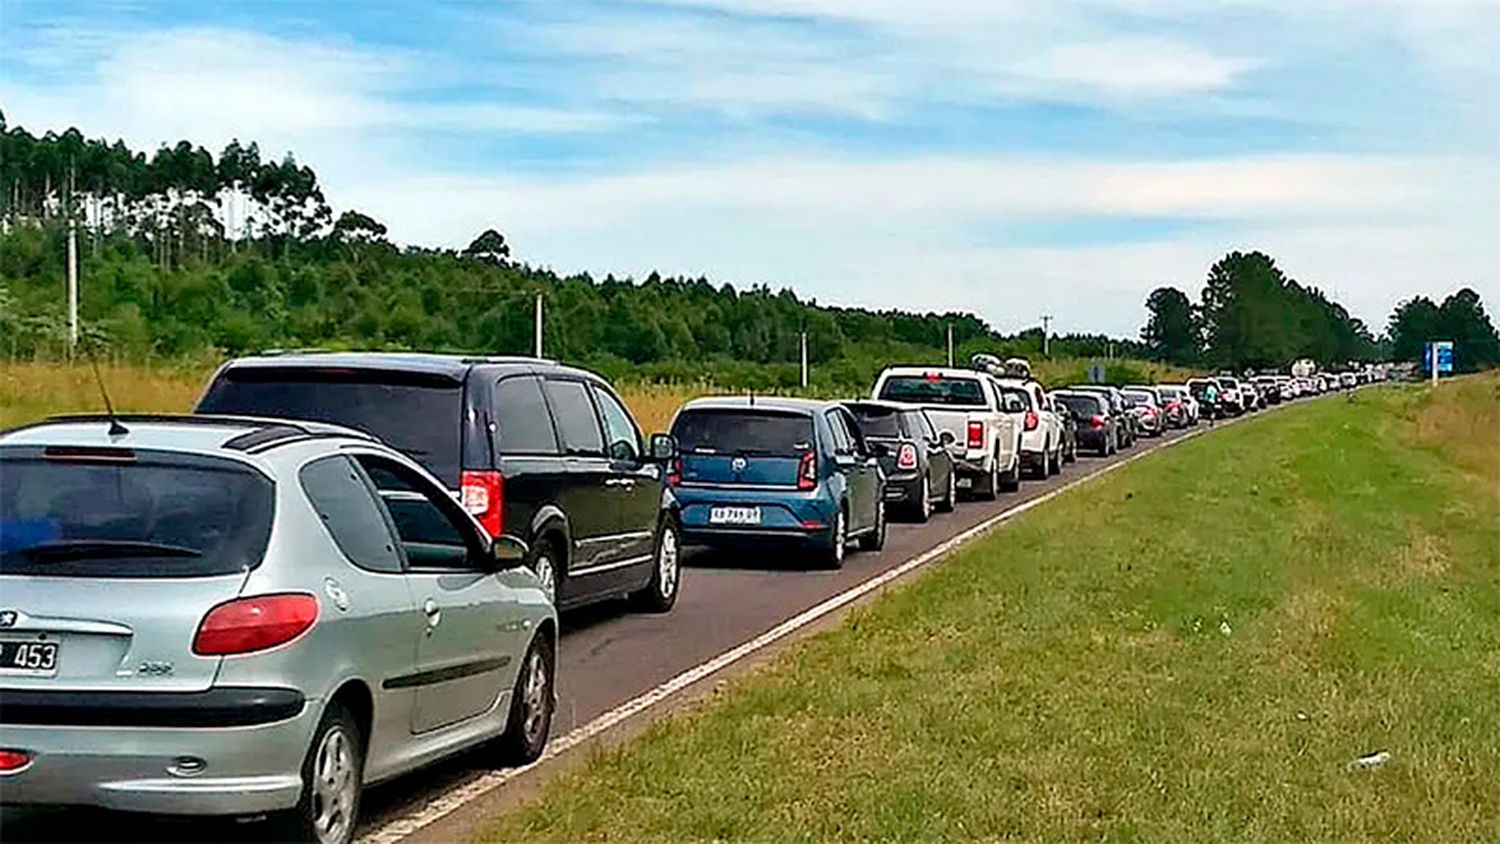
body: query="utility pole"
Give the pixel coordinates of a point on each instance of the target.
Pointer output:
(950, 344)
(72, 286)
(803, 344)
(1046, 330)
(537, 322)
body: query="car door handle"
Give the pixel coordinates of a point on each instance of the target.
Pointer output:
(433, 612)
(625, 482)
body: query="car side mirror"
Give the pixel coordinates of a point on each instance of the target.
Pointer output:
(508, 552)
(663, 447)
(947, 438)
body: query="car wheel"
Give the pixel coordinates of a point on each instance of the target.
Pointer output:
(950, 498)
(666, 571)
(1011, 481)
(838, 540)
(1071, 455)
(544, 566)
(875, 539)
(990, 488)
(532, 703)
(923, 510)
(332, 782)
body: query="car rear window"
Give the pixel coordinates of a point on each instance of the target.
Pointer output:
(878, 421)
(933, 388)
(130, 514)
(743, 432)
(418, 414)
(1085, 405)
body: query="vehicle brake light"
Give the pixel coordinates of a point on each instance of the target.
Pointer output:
(674, 475)
(976, 435)
(906, 458)
(1032, 420)
(14, 761)
(483, 495)
(246, 625)
(807, 471)
(1096, 421)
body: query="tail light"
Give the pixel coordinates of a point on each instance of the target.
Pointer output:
(1032, 420)
(807, 471)
(483, 495)
(1096, 421)
(976, 435)
(674, 474)
(906, 458)
(14, 761)
(246, 625)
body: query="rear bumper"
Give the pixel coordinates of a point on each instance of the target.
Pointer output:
(1092, 438)
(904, 488)
(752, 537)
(252, 767)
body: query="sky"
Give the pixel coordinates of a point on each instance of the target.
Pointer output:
(1009, 158)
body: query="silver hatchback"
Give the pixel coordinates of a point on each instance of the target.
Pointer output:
(218, 616)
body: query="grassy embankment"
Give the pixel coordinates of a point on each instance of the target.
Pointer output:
(1195, 648)
(29, 391)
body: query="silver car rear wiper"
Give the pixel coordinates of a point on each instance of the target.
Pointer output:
(101, 549)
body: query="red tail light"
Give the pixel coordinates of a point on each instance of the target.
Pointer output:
(14, 761)
(976, 435)
(1096, 421)
(807, 471)
(906, 458)
(246, 625)
(483, 495)
(674, 475)
(1032, 420)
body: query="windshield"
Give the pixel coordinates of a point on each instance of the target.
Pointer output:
(933, 388)
(1138, 399)
(743, 432)
(137, 515)
(1082, 405)
(418, 415)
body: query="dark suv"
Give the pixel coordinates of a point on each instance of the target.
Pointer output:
(540, 452)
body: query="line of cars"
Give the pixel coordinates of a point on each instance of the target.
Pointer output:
(345, 566)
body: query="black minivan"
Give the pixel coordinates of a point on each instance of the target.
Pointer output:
(542, 452)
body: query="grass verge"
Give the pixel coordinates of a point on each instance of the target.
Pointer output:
(1196, 647)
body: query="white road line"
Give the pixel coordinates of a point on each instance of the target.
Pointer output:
(439, 808)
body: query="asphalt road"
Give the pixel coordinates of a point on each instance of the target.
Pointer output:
(609, 655)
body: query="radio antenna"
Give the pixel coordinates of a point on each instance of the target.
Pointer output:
(115, 428)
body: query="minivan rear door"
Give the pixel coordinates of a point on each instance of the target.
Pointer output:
(110, 558)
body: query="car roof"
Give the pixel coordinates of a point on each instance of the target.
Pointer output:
(183, 433)
(883, 405)
(945, 371)
(781, 403)
(450, 365)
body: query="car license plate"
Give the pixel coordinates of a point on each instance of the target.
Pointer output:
(965, 483)
(734, 515)
(28, 657)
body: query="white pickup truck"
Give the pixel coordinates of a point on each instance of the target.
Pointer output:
(987, 444)
(1041, 427)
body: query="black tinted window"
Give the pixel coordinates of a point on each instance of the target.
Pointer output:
(624, 442)
(418, 415)
(743, 432)
(577, 426)
(141, 514)
(933, 389)
(343, 500)
(1082, 405)
(878, 421)
(523, 419)
(1013, 400)
(428, 521)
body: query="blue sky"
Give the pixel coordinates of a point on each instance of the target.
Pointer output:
(1010, 158)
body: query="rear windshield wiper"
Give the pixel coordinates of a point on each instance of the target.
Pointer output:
(100, 549)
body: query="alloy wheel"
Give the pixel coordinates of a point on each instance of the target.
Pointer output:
(546, 572)
(534, 698)
(334, 787)
(668, 568)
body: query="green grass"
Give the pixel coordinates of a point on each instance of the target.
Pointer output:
(1193, 648)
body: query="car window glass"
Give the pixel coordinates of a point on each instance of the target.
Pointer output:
(429, 523)
(343, 499)
(927, 426)
(841, 443)
(851, 430)
(521, 415)
(1014, 401)
(623, 440)
(577, 424)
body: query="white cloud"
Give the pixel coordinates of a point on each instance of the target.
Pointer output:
(1129, 67)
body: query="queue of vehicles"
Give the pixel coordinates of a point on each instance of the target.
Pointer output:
(343, 567)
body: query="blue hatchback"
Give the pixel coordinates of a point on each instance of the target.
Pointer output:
(756, 471)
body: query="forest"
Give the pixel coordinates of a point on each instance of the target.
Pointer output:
(188, 254)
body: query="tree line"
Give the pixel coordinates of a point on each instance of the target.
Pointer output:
(1251, 315)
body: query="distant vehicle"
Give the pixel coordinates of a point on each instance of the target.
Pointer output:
(213, 616)
(919, 471)
(1303, 368)
(1042, 445)
(1269, 387)
(1178, 395)
(1348, 380)
(1128, 423)
(1069, 424)
(1098, 429)
(546, 453)
(969, 405)
(1237, 400)
(1143, 402)
(1173, 413)
(1216, 409)
(778, 471)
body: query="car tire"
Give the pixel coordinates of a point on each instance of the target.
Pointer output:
(533, 702)
(1011, 480)
(922, 511)
(950, 498)
(332, 782)
(989, 488)
(661, 591)
(1071, 455)
(838, 540)
(544, 564)
(875, 539)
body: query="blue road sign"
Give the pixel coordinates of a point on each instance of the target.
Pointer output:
(1444, 350)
